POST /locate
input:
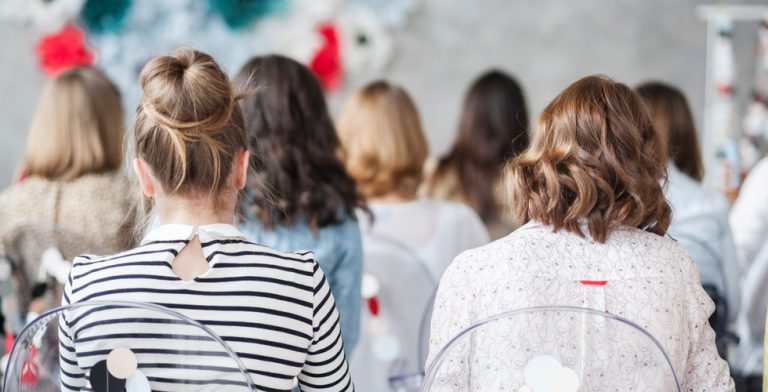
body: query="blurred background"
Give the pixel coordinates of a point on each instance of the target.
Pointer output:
(432, 47)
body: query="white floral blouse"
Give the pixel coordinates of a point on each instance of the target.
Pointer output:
(650, 280)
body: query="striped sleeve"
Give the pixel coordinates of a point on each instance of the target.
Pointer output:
(72, 377)
(325, 368)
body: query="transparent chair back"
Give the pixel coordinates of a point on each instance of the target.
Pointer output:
(548, 349)
(39, 256)
(121, 346)
(394, 336)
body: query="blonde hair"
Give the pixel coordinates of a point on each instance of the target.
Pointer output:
(384, 144)
(77, 127)
(594, 160)
(189, 127)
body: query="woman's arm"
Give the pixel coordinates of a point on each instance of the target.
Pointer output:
(705, 370)
(325, 368)
(72, 376)
(345, 281)
(452, 313)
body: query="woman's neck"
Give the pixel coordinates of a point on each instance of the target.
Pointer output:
(393, 197)
(193, 212)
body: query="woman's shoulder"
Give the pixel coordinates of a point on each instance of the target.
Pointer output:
(110, 179)
(30, 194)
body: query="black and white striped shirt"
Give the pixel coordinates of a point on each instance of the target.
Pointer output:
(274, 309)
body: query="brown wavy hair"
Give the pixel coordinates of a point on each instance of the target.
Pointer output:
(594, 161)
(295, 170)
(672, 117)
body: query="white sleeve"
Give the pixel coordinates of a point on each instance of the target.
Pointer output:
(452, 312)
(749, 215)
(704, 370)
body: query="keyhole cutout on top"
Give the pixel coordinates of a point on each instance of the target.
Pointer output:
(190, 262)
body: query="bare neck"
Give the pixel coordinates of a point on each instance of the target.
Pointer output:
(393, 197)
(193, 212)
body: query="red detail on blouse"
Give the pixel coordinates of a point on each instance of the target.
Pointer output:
(593, 282)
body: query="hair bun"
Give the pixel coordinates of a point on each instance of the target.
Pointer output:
(187, 92)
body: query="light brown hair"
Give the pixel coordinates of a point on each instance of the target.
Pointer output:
(384, 144)
(189, 127)
(77, 127)
(594, 160)
(672, 118)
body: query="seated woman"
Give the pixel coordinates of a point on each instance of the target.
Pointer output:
(71, 169)
(299, 194)
(384, 151)
(274, 309)
(590, 189)
(408, 242)
(699, 216)
(493, 129)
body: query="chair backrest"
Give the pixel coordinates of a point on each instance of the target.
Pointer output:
(394, 334)
(109, 342)
(552, 348)
(713, 278)
(25, 246)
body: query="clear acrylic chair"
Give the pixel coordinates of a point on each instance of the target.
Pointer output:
(34, 274)
(548, 349)
(394, 330)
(122, 346)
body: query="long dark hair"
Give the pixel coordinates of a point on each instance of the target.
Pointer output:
(672, 117)
(492, 130)
(295, 169)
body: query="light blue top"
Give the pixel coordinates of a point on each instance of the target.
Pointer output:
(339, 251)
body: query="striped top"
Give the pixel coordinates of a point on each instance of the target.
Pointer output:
(274, 309)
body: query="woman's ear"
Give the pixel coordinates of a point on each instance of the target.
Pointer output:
(242, 164)
(145, 178)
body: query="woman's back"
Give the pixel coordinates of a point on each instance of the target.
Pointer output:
(435, 230)
(339, 251)
(96, 206)
(637, 275)
(274, 309)
(448, 186)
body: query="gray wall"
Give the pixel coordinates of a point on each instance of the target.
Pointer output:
(545, 43)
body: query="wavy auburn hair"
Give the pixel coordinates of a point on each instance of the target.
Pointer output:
(594, 160)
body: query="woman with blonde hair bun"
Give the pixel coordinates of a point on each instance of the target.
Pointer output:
(274, 309)
(590, 189)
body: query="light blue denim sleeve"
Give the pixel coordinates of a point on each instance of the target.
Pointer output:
(346, 279)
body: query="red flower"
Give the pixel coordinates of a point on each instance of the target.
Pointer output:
(326, 63)
(64, 49)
